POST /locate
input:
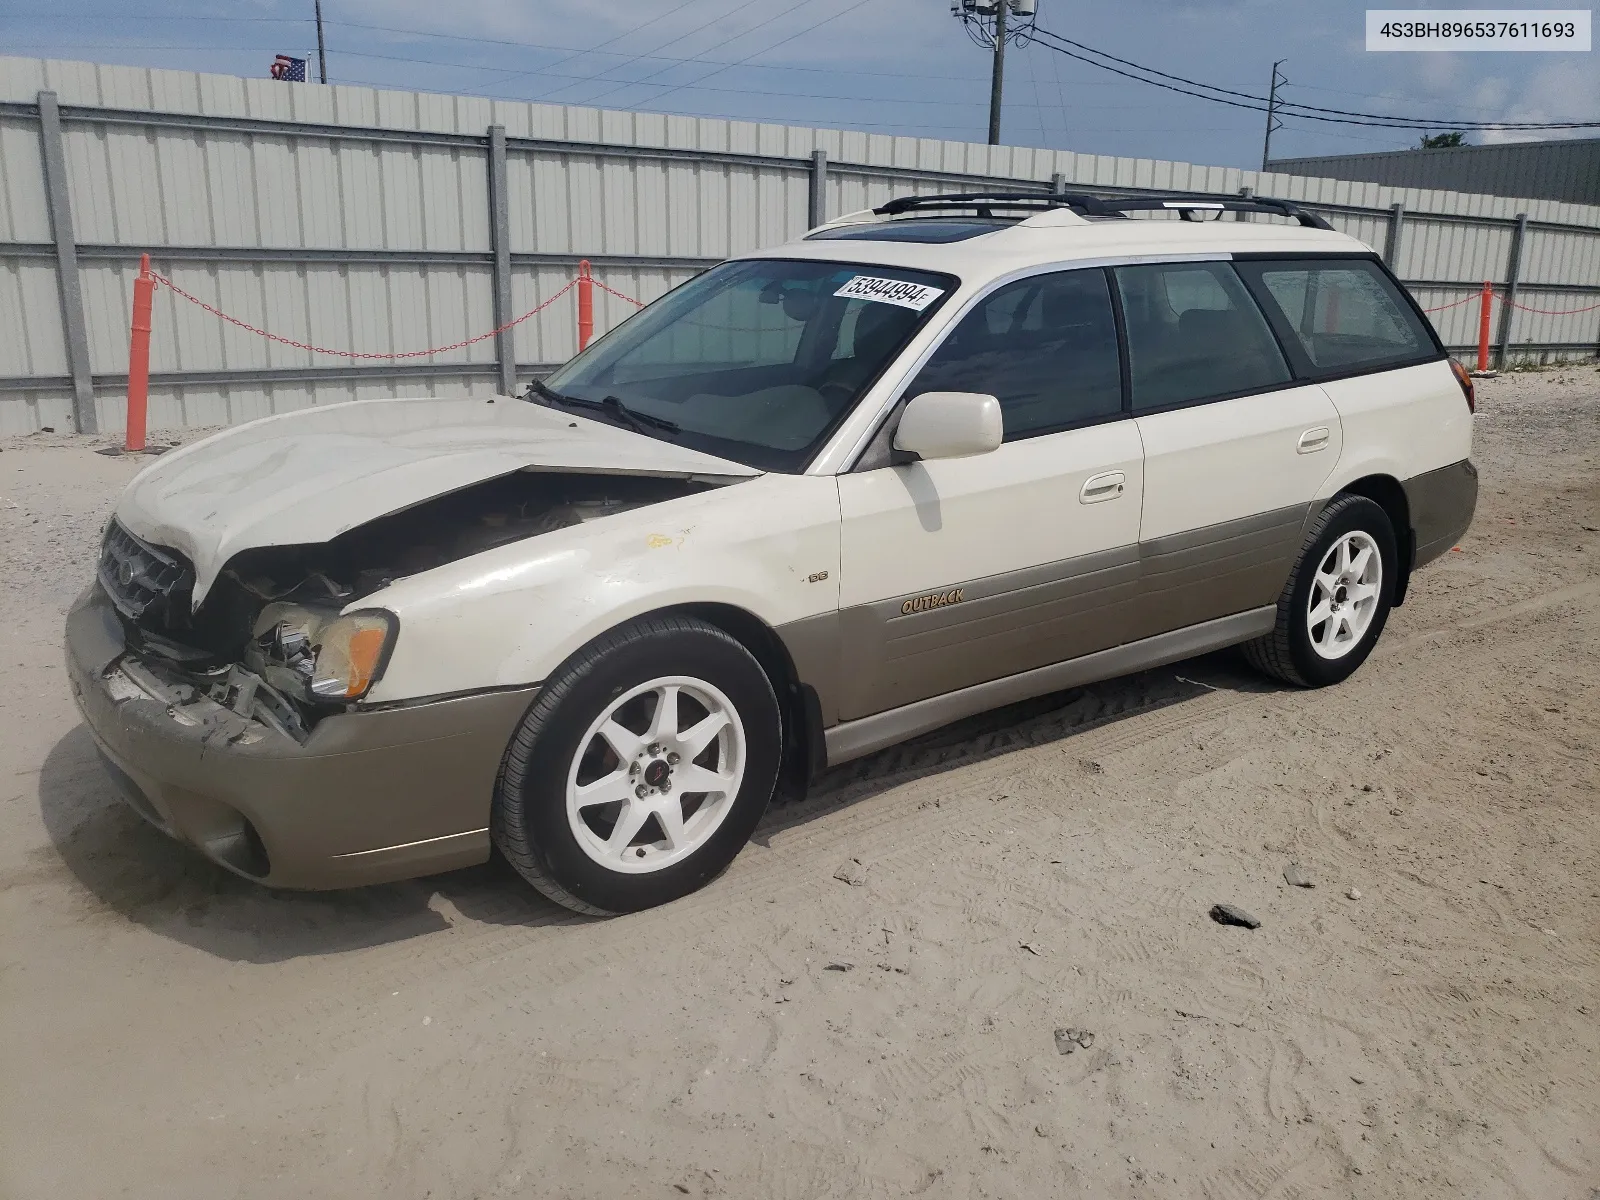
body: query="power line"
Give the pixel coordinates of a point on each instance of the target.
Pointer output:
(699, 87)
(1312, 87)
(662, 46)
(456, 37)
(676, 112)
(1260, 103)
(572, 51)
(699, 83)
(616, 38)
(1038, 102)
(435, 62)
(143, 18)
(744, 33)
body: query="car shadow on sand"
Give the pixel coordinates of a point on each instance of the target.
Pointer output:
(1035, 722)
(135, 870)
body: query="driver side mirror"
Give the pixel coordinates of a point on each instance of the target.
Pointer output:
(950, 425)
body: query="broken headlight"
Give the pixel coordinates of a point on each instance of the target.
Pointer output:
(319, 655)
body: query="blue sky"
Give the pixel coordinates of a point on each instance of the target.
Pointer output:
(884, 65)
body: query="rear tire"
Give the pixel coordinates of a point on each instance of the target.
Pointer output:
(642, 768)
(1337, 599)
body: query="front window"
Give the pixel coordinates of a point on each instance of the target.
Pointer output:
(1045, 346)
(756, 360)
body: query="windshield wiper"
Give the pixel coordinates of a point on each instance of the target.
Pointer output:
(612, 407)
(538, 385)
(635, 418)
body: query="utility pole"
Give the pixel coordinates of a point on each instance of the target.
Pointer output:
(1272, 111)
(974, 16)
(322, 47)
(997, 82)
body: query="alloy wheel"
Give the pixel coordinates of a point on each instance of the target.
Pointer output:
(656, 774)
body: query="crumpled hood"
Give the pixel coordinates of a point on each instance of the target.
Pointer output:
(309, 476)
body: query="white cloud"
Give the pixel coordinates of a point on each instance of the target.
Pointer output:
(1564, 90)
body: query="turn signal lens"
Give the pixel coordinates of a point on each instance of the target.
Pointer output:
(350, 654)
(1465, 381)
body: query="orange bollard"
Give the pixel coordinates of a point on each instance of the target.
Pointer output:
(1484, 304)
(585, 304)
(144, 288)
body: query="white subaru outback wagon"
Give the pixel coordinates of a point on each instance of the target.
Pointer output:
(921, 462)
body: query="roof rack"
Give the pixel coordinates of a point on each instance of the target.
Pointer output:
(1187, 205)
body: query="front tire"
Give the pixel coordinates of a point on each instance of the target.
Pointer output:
(642, 769)
(1337, 599)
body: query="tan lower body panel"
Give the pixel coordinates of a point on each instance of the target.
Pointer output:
(852, 739)
(875, 657)
(1200, 574)
(1442, 503)
(1002, 625)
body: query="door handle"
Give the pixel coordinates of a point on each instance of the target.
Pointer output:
(1313, 440)
(1106, 486)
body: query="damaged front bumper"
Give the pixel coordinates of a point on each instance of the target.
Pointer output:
(363, 797)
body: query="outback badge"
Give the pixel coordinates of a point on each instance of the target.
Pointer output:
(933, 600)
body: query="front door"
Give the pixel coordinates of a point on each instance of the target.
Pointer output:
(958, 571)
(1234, 450)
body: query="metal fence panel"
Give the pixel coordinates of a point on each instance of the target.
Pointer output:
(30, 315)
(24, 212)
(1553, 256)
(1452, 250)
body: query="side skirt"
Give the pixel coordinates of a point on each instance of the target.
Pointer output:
(852, 739)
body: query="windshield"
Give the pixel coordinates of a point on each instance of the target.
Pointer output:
(755, 360)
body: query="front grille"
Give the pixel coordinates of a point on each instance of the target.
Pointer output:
(149, 586)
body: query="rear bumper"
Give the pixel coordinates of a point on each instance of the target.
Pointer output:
(1442, 503)
(369, 797)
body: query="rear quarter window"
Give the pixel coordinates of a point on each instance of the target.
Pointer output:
(1342, 315)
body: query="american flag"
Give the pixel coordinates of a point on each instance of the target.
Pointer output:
(290, 70)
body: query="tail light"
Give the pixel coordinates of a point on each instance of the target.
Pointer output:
(1465, 381)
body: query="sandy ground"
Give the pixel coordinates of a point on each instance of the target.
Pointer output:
(169, 1031)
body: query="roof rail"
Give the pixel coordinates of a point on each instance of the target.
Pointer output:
(1186, 204)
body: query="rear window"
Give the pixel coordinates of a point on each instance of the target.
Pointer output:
(1344, 315)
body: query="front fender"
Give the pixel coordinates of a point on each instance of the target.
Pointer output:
(508, 617)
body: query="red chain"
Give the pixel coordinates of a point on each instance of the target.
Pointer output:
(617, 294)
(1454, 303)
(217, 312)
(1547, 312)
(1553, 313)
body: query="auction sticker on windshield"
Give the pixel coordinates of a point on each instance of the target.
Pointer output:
(890, 291)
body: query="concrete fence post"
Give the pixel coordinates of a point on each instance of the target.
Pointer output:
(500, 243)
(1391, 241)
(817, 205)
(1508, 304)
(1245, 193)
(74, 330)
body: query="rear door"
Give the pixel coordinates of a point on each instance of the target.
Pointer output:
(1235, 450)
(958, 571)
(1348, 326)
